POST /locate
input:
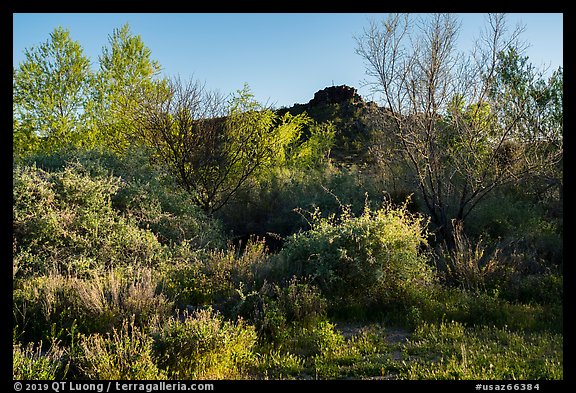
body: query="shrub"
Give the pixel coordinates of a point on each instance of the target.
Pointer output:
(276, 310)
(367, 354)
(473, 267)
(277, 364)
(124, 354)
(515, 217)
(202, 278)
(168, 213)
(103, 210)
(34, 363)
(302, 302)
(118, 296)
(41, 302)
(535, 288)
(375, 255)
(65, 221)
(477, 309)
(205, 346)
(321, 339)
(183, 280)
(267, 205)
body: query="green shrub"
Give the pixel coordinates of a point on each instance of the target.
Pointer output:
(34, 363)
(183, 279)
(278, 364)
(268, 206)
(375, 255)
(365, 355)
(512, 216)
(275, 310)
(205, 346)
(270, 321)
(169, 213)
(476, 309)
(472, 265)
(107, 208)
(302, 303)
(39, 303)
(321, 339)
(291, 320)
(65, 217)
(202, 278)
(124, 354)
(535, 288)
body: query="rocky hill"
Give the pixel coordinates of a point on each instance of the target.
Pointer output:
(353, 118)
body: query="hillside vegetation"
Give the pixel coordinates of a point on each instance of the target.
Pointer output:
(177, 235)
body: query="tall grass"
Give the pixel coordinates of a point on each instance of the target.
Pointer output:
(449, 351)
(91, 305)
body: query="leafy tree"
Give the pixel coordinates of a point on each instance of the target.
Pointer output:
(535, 142)
(212, 146)
(51, 90)
(316, 149)
(457, 118)
(126, 72)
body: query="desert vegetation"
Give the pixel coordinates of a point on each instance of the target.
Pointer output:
(163, 231)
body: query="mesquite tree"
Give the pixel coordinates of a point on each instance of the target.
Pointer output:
(464, 123)
(210, 144)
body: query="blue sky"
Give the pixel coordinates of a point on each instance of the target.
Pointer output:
(284, 58)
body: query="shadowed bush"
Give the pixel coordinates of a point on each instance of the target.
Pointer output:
(211, 278)
(277, 311)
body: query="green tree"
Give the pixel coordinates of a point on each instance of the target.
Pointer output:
(213, 146)
(51, 91)
(536, 137)
(126, 72)
(458, 119)
(315, 151)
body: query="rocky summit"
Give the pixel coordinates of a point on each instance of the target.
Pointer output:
(335, 95)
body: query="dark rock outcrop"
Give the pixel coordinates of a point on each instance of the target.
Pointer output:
(335, 95)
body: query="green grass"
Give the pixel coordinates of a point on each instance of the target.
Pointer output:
(446, 351)
(451, 351)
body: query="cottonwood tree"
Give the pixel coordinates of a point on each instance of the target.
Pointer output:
(59, 102)
(210, 144)
(51, 91)
(460, 119)
(127, 71)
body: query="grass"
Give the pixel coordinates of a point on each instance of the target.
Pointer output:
(445, 351)
(451, 351)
